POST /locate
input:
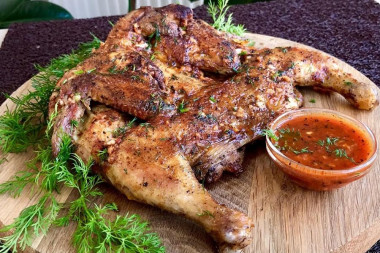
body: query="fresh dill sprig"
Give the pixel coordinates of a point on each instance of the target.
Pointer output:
(50, 167)
(16, 132)
(31, 222)
(17, 183)
(223, 22)
(124, 234)
(94, 232)
(25, 125)
(29, 124)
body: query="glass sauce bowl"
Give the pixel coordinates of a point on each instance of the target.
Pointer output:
(319, 179)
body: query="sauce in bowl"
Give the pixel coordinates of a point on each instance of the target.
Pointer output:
(323, 142)
(321, 149)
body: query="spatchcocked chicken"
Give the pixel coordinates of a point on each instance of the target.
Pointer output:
(198, 99)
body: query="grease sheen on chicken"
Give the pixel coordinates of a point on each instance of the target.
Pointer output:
(200, 102)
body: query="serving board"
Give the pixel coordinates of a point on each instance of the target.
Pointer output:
(287, 218)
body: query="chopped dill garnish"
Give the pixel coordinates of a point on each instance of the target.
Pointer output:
(331, 141)
(328, 142)
(73, 123)
(348, 83)
(121, 130)
(206, 213)
(79, 72)
(312, 101)
(103, 154)
(222, 21)
(321, 143)
(212, 99)
(302, 151)
(153, 56)
(277, 74)
(182, 107)
(112, 70)
(270, 134)
(146, 125)
(136, 78)
(295, 134)
(155, 36)
(340, 153)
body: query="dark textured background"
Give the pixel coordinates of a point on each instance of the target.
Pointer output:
(347, 29)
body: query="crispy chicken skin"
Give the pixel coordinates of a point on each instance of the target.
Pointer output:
(201, 103)
(143, 161)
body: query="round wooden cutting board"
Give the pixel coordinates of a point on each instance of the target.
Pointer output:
(287, 218)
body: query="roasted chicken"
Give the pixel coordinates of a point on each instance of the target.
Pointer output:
(198, 101)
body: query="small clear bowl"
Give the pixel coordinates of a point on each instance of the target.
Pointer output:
(317, 179)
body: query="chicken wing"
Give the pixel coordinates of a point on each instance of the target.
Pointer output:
(201, 102)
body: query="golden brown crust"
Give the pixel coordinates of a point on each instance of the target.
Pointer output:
(148, 168)
(202, 102)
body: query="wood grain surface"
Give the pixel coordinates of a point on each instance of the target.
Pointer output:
(287, 218)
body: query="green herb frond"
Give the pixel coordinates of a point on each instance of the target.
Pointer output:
(301, 151)
(270, 134)
(155, 36)
(31, 222)
(182, 107)
(17, 183)
(24, 126)
(51, 167)
(206, 213)
(17, 132)
(124, 234)
(222, 21)
(29, 124)
(103, 154)
(121, 130)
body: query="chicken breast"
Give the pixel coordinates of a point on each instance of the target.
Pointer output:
(199, 102)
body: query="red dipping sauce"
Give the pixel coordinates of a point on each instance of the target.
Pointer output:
(323, 142)
(321, 149)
